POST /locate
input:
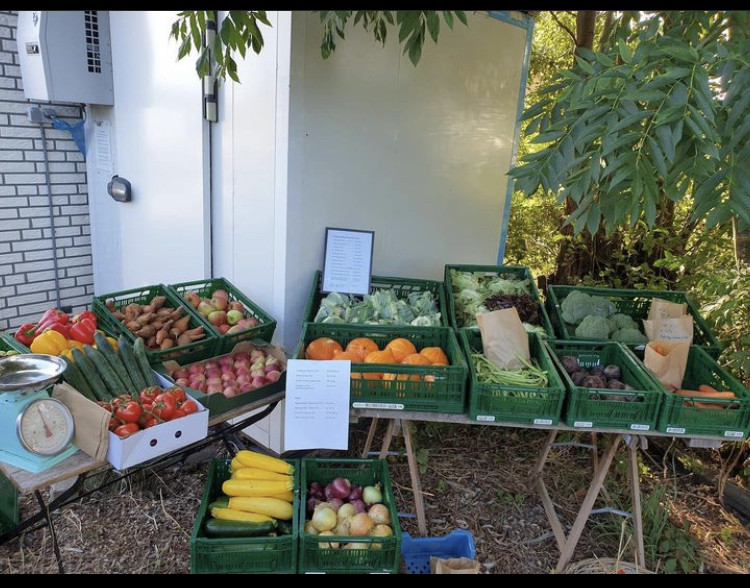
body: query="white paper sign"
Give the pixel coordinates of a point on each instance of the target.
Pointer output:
(317, 404)
(348, 261)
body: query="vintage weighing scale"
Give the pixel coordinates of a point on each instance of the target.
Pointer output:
(35, 430)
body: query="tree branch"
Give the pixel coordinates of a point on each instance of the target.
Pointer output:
(564, 27)
(609, 21)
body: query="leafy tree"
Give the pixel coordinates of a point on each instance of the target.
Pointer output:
(240, 30)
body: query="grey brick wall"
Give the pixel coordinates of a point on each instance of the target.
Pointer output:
(27, 253)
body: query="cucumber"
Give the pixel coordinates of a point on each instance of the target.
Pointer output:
(219, 528)
(125, 348)
(74, 377)
(220, 502)
(91, 375)
(139, 350)
(109, 377)
(115, 362)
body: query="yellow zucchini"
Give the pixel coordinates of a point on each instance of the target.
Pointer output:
(259, 474)
(272, 507)
(231, 514)
(235, 465)
(288, 496)
(234, 487)
(253, 459)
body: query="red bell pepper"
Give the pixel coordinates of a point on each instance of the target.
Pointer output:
(83, 331)
(52, 317)
(64, 330)
(25, 334)
(85, 315)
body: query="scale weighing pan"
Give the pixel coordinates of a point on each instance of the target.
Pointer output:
(29, 372)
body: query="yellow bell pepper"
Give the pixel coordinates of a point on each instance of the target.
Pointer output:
(69, 354)
(73, 343)
(112, 342)
(50, 343)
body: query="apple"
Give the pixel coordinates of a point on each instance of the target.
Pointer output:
(205, 308)
(224, 329)
(230, 392)
(273, 376)
(210, 365)
(193, 298)
(247, 387)
(221, 294)
(242, 363)
(213, 373)
(195, 369)
(182, 382)
(226, 361)
(220, 303)
(214, 389)
(257, 354)
(234, 317)
(243, 379)
(237, 305)
(217, 317)
(242, 372)
(258, 382)
(228, 376)
(260, 373)
(235, 329)
(253, 322)
(181, 373)
(197, 379)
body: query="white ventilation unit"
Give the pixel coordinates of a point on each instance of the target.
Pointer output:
(65, 55)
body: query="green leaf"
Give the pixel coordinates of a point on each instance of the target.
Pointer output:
(433, 24)
(448, 17)
(626, 53)
(664, 136)
(585, 65)
(657, 157)
(629, 121)
(593, 219)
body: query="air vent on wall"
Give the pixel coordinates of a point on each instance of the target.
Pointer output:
(93, 49)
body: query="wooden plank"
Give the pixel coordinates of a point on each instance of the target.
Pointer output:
(635, 494)
(370, 437)
(554, 520)
(386, 445)
(416, 484)
(27, 482)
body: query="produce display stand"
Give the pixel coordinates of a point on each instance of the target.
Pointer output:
(566, 543)
(79, 465)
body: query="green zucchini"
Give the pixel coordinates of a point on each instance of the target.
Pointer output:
(109, 377)
(115, 362)
(125, 348)
(139, 350)
(74, 377)
(220, 502)
(91, 375)
(220, 528)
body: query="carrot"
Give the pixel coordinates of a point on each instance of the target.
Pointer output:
(728, 395)
(707, 388)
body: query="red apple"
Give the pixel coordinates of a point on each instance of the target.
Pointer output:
(214, 389)
(182, 382)
(220, 303)
(235, 329)
(210, 365)
(242, 363)
(273, 376)
(254, 322)
(221, 294)
(226, 360)
(193, 298)
(259, 382)
(242, 372)
(196, 368)
(237, 305)
(181, 373)
(213, 373)
(215, 381)
(217, 317)
(230, 392)
(243, 379)
(234, 317)
(247, 387)
(205, 307)
(224, 329)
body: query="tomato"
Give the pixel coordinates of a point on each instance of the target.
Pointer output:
(179, 394)
(127, 430)
(129, 411)
(178, 414)
(164, 406)
(189, 407)
(147, 395)
(150, 422)
(114, 423)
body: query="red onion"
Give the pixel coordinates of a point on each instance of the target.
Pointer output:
(335, 503)
(355, 493)
(314, 489)
(359, 505)
(312, 502)
(340, 488)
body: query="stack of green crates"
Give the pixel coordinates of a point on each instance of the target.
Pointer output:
(602, 408)
(205, 288)
(729, 419)
(8, 505)
(514, 404)
(518, 272)
(382, 555)
(634, 303)
(429, 388)
(241, 555)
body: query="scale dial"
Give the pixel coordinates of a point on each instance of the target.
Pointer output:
(45, 427)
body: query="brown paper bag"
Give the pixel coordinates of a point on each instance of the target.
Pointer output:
(663, 309)
(669, 329)
(455, 565)
(669, 369)
(91, 421)
(503, 338)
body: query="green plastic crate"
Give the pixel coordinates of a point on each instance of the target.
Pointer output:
(636, 304)
(514, 404)
(9, 343)
(8, 505)
(446, 393)
(195, 351)
(241, 555)
(731, 418)
(602, 408)
(518, 271)
(204, 289)
(402, 287)
(315, 558)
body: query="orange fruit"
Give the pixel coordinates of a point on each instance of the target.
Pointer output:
(436, 355)
(401, 347)
(385, 356)
(414, 359)
(343, 355)
(360, 347)
(322, 348)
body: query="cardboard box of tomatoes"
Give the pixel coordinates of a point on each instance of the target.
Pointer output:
(158, 439)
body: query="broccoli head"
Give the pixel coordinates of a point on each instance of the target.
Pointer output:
(629, 336)
(601, 306)
(575, 306)
(593, 327)
(623, 321)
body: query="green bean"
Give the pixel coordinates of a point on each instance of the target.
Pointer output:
(530, 376)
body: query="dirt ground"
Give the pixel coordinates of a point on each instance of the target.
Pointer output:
(475, 478)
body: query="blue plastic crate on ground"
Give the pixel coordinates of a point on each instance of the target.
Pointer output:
(417, 551)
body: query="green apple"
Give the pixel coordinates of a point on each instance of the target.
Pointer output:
(234, 316)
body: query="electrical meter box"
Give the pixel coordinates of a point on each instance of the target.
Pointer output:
(66, 56)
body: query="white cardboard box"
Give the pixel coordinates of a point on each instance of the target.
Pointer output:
(158, 440)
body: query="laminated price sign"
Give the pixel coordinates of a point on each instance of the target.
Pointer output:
(348, 261)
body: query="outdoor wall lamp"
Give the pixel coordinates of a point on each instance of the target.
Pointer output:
(119, 189)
